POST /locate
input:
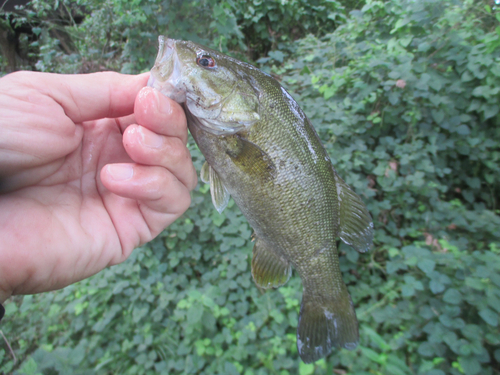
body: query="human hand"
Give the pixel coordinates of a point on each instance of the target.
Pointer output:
(91, 166)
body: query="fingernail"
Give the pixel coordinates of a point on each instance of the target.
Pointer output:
(121, 172)
(163, 104)
(150, 139)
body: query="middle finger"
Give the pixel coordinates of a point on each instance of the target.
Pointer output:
(148, 148)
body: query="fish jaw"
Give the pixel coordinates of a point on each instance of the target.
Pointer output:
(166, 74)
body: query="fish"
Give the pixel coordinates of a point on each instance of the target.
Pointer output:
(261, 149)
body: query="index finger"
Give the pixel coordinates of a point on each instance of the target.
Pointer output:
(93, 96)
(160, 114)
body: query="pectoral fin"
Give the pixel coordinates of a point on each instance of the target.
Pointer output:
(220, 195)
(269, 269)
(356, 226)
(250, 158)
(205, 173)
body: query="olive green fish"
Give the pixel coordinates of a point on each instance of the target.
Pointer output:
(262, 150)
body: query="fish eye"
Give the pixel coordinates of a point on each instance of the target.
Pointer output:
(206, 61)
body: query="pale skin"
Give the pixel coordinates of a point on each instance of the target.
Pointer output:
(91, 167)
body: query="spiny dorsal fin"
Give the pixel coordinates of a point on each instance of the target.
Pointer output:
(355, 222)
(269, 269)
(326, 322)
(220, 195)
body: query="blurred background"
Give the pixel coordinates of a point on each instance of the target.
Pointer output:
(405, 97)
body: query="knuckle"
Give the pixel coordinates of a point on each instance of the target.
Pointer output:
(194, 180)
(178, 153)
(179, 115)
(184, 202)
(179, 197)
(19, 76)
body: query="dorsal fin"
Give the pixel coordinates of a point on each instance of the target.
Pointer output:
(355, 222)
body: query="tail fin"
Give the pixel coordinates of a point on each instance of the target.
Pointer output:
(324, 324)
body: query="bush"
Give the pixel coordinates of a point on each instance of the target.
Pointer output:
(122, 35)
(405, 98)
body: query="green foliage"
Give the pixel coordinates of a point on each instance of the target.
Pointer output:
(269, 24)
(404, 96)
(122, 35)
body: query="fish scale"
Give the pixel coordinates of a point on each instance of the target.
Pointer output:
(262, 150)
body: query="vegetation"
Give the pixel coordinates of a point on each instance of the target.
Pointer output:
(405, 96)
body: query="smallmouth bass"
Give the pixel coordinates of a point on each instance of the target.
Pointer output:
(261, 149)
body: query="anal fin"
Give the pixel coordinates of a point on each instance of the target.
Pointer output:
(269, 269)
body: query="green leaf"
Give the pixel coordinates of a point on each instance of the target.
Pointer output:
(437, 83)
(376, 338)
(194, 314)
(29, 367)
(435, 372)
(490, 110)
(494, 302)
(373, 355)
(452, 296)
(406, 40)
(277, 55)
(424, 47)
(407, 290)
(10, 308)
(218, 218)
(489, 316)
(438, 116)
(399, 24)
(470, 365)
(474, 283)
(306, 369)
(230, 369)
(426, 265)
(436, 287)
(467, 76)
(393, 97)
(481, 91)
(463, 130)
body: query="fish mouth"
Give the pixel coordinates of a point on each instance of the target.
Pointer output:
(166, 73)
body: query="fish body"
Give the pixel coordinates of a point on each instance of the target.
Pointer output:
(261, 149)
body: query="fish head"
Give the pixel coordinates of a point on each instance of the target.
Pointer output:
(221, 92)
